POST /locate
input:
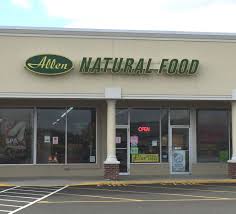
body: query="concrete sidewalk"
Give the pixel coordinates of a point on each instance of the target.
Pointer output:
(124, 180)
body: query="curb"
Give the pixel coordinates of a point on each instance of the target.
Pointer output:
(130, 182)
(6, 185)
(161, 182)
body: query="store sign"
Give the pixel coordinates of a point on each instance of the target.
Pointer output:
(144, 129)
(178, 161)
(49, 64)
(145, 158)
(139, 66)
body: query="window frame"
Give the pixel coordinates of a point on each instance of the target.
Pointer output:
(34, 136)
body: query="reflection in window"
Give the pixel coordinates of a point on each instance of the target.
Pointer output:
(145, 135)
(122, 116)
(81, 136)
(212, 135)
(16, 138)
(179, 117)
(51, 136)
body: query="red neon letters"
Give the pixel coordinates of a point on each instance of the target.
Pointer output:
(144, 129)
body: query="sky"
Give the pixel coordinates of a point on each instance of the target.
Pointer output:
(162, 15)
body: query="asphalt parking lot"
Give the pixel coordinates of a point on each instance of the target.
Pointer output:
(171, 198)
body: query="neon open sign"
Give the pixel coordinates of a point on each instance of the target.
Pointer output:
(144, 129)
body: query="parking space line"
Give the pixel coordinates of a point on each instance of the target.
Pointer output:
(141, 200)
(39, 199)
(98, 196)
(9, 205)
(190, 199)
(23, 193)
(183, 188)
(1, 199)
(212, 185)
(17, 196)
(64, 202)
(5, 211)
(5, 190)
(39, 188)
(26, 190)
(156, 193)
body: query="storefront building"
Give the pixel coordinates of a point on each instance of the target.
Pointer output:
(112, 103)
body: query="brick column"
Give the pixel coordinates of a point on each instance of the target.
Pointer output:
(111, 171)
(111, 165)
(232, 170)
(232, 161)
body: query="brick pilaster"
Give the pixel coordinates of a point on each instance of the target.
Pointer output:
(232, 170)
(111, 171)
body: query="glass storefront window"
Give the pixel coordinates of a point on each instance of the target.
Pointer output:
(212, 135)
(81, 135)
(145, 135)
(179, 117)
(16, 136)
(51, 135)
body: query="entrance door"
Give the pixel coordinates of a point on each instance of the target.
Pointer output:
(122, 149)
(179, 150)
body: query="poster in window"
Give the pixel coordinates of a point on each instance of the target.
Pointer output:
(154, 143)
(134, 150)
(92, 159)
(14, 131)
(145, 158)
(118, 140)
(134, 140)
(47, 139)
(55, 140)
(178, 161)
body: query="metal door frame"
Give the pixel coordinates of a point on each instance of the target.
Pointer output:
(189, 148)
(128, 148)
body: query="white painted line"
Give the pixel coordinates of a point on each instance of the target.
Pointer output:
(26, 190)
(35, 188)
(97, 196)
(8, 189)
(31, 203)
(23, 193)
(5, 211)
(17, 196)
(42, 187)
(184, 188)
(151, 193)
(14, 200)
(9, 205)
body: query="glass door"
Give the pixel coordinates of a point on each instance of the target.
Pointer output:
(122, 149)
(179, 150)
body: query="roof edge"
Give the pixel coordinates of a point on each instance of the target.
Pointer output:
(112, 33)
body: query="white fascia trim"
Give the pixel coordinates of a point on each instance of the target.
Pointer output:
(102, 96)
(177, 97)
(52, 95)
